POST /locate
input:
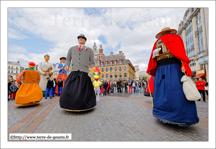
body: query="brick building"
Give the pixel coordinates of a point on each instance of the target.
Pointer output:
(113, 67)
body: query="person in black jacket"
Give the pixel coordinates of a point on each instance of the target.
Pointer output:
(126, 86)
(9, 84)
(49, 88)
(60, 84)
(105, 85)
(118, 86)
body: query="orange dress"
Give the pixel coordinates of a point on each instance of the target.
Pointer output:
(29, 91)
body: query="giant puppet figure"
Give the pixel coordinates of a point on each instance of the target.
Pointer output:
(29, 92)
(46, 69)
(62, 73)
(78, 92)
(167, 63)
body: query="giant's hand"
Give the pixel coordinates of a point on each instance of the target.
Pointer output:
(66, 68)
(183, 69)
(44, 73)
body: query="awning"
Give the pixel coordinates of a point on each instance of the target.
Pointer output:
(200, 75)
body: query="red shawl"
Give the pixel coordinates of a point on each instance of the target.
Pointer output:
(176, 46)
(150, 85)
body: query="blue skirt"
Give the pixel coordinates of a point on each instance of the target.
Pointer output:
(170, 103)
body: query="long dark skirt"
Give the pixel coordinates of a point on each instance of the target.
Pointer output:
(78, 92)
(170, 103)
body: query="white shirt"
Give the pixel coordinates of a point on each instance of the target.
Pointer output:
(58, 69)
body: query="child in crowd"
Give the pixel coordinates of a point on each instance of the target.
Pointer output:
(97, 85)
(13, 89)
(111, 88)
(102, 90)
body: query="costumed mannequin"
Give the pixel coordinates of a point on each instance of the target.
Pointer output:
(167, 63)
(150, 87)
(46, 69)
(96, 74)
(62, 72)
(78, 92)
(29, 92)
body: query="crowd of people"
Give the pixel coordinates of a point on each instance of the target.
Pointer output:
(105, 87)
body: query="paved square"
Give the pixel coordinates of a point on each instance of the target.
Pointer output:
(115, 118)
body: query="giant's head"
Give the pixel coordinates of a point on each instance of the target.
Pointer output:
(82, 39)
(46, 57)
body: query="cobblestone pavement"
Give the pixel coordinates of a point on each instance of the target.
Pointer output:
(115, 118)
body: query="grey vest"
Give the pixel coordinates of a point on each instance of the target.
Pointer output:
(80, 59)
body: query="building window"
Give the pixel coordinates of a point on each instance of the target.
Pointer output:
(125, 68)
(110, 75)
(8, 71)
(189, 41)
(115, 75)
(202, 66)
(187, 15)
(102, 75)
(199, 32)
(102, 69)
(120, 75)
(12, 70)
(115, 62)
(8, 66)
(16, 67)
(106, 69)
(106, 75)
(16, 72)
(119, 68)
(125, 75)
(115, 68)
(11, 66)
(111, 62)
(110, 68)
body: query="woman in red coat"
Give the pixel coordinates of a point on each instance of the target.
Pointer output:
(201, 88)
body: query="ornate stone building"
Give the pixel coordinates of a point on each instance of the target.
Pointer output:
(113, 67)
(13, 69)
(194, 32)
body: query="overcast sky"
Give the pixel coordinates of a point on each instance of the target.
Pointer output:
(34, 32)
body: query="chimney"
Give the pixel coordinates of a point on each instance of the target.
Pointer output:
(111, 53)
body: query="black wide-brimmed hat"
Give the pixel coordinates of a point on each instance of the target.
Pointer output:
(83, 36)
(63, 58)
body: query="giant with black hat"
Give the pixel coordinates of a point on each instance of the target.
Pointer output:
(78, 92)
(82, 36)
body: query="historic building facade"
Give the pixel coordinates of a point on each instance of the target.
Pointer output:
(13, 69)
(113, 67)
(194, 32)
(137, 72)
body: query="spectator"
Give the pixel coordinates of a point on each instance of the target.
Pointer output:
(9, 84)
(13, 89)
(121, 86)
(60, 85)
(130, 86)
(134, 86)
(206, 88)
(137, 87)
(102, 90)
(201, 88)
(115, 87)
(126, 86)
(105, 85)
(111, 88)
(54, 86)
(49, 87)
